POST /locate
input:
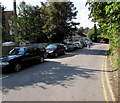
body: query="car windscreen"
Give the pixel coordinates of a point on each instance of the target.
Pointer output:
(51, 46)
(17, 51)
(76, 43)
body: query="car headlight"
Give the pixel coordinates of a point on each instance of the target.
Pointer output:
(4, 63)
(50, 51)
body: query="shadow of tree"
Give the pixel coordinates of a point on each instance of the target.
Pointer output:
(85, 51)
(50, 73)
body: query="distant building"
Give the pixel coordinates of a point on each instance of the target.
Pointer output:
(77, 37)
(86, 30)
(8, 18)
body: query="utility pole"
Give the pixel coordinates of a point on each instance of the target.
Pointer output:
(0, 24)
(15, 21)
(0, 31)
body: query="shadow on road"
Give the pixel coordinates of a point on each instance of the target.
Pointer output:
(50, 73)
(85, 51)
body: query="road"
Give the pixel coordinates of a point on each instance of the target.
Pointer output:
(76, 76)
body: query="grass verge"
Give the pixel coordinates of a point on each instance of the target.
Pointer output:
(113, 66)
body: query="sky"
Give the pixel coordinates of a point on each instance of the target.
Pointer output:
(82, 16)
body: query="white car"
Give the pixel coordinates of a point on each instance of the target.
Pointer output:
(77, 44)
(8, 44)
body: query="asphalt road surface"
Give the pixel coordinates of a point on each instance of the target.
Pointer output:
(75, 76)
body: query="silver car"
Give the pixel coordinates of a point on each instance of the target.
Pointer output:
(77, 44)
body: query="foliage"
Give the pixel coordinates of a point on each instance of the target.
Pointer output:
(29, 22)
(59, 22)
(90, 33)
(107, 14)
(3, 23)
(51, 22)
(95, 34)
(80, 30)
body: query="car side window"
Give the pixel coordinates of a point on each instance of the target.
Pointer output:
(59, 46)
(30, 50)
(42, 49)
(36, 50)
(62, 46)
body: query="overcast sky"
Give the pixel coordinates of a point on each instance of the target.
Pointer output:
(82, 15)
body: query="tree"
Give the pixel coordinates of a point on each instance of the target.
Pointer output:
(107, 14)
(3, 23)
(90, 33)
(30, 23)
(52, 22)
(80, 30)
(59, 24)
(93, 34)
(108, 17)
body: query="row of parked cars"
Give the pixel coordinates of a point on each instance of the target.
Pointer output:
(19, 57)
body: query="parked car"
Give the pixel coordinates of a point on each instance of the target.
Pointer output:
(102, 41)
(9, 43)
(69, 46)
(56, 49)
(20, 56)
(84, 43)
(89, 41)
(77, 44)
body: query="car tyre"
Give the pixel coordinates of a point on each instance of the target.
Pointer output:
(56, 54)
(18, 67)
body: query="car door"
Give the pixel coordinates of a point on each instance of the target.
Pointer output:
(37, 53)
(61, 47)
(70, 46)
(27, 56)
(43, 52)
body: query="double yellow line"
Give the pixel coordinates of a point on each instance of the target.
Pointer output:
(108, 83)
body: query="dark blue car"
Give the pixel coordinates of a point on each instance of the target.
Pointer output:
(56, 49)
(20, 56)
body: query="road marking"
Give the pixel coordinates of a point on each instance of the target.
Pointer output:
(4, 77)
(108, 83)
(103, 85)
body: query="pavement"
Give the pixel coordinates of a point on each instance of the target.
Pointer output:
(76, 76)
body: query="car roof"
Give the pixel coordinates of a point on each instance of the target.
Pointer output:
(40, 46)
(55, 44)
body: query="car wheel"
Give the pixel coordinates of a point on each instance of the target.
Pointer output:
(56, 54)
(42, 59)
(18, 67)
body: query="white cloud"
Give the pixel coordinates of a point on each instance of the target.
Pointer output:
(82, 17)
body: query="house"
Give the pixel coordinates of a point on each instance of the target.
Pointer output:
(77, 37)
(8, 22)
(86, 30)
